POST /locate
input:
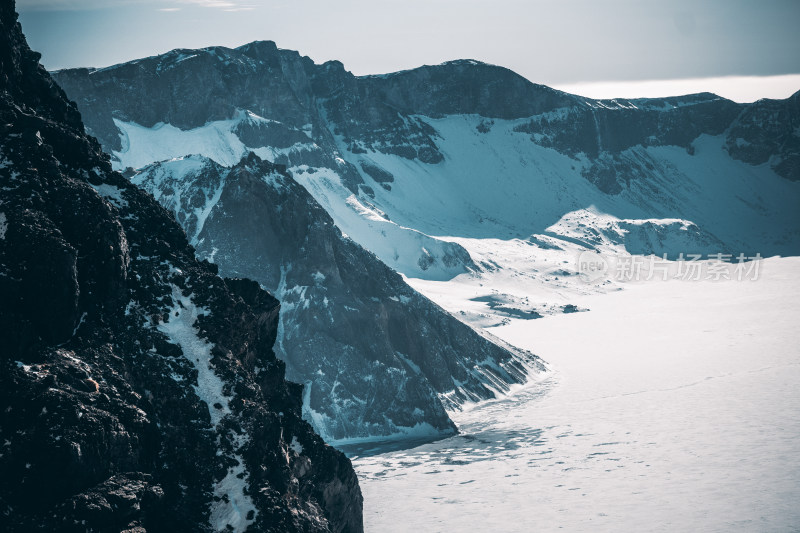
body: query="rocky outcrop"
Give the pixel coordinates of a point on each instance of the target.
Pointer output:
(607, 131)
(768, 131)
(138, 390)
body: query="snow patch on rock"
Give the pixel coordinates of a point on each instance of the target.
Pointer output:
(216, 140)
(181, 330)
(234, 508)
(112, 193)
(231, 507)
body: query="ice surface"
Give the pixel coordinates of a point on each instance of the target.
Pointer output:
(673, 406)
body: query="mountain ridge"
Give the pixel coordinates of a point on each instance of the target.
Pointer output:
(372, 101)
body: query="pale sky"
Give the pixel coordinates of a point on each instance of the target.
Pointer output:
(743, 50)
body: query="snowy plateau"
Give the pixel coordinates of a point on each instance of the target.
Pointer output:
(655, 401)
(671, 406)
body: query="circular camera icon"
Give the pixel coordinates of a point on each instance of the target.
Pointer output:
(592, 267)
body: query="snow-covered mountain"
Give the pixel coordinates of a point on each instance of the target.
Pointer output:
(376, 357)
(138, 389)
(461, 171)
(462, 149)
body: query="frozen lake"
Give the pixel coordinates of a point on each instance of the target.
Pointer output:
(671, 406)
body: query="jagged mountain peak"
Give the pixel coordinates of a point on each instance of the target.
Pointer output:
(367, 112)
(343, 310)
(258, 47)
(465, 86)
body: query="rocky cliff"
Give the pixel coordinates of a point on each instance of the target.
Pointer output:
(138, 390)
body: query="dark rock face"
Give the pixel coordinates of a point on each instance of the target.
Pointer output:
(138, 390)
(380, 175)
(767, 131)
(188, 88)
(378, 112)
(603, 130)
(375, 355)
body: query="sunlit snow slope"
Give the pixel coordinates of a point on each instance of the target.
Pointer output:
(499, 184)
(520, 209)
